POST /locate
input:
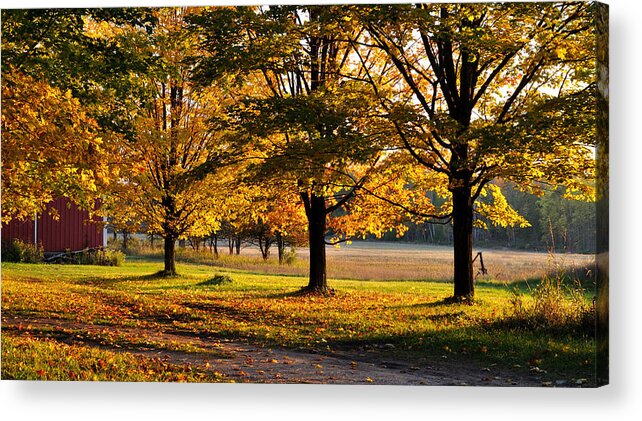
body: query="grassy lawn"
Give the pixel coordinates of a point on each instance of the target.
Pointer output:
(407, 320)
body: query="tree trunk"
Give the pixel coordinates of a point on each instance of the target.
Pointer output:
(125, 240)
(264, 246)
(230, 245)
(280, 246)
(316, 232)
(170, 255)
(238, 245)
(216, 245)
(463, 244)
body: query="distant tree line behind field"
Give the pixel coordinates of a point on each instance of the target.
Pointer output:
(557, 224)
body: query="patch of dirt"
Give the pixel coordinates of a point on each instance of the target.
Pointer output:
(244, 361)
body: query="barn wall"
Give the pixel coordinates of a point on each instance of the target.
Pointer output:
(73, 230)
(22, 230)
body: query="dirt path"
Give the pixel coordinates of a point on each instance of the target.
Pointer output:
(248, 362)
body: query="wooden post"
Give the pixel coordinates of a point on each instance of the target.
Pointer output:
(483, 270)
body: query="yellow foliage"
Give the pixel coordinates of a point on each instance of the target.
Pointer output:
(50, 148)
(498, 211)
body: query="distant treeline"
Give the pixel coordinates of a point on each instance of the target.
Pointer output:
(557, 224)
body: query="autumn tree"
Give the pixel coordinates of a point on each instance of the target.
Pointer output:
(54, 142)
(477, 92)
(162, 177)
(40, 125)
(309, 126)
(267, 215)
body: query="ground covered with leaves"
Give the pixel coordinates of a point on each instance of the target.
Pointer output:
(64, 322)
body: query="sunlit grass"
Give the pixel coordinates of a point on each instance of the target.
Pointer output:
(26, 358)
(407, 319)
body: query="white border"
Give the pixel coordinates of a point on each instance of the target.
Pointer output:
(620, 400)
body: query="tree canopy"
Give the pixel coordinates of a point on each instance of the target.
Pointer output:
(306, 124)
(56, 100)
(327, 121)
(472, 99)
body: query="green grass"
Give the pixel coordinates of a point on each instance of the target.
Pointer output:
(26, 358)
(412, 316)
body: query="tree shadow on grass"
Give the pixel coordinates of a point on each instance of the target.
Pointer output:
(448, 302)
(302, 292)
(103, 281)
(525, 285)
(285, 294)
(116, 341)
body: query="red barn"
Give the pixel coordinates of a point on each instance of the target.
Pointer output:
(74, 229)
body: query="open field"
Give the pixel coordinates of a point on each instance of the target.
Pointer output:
(68, 322)
(397, 261)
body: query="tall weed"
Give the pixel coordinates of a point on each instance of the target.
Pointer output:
(553, 305)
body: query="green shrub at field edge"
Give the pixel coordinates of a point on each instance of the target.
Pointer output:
(553, 306)
(18, 251)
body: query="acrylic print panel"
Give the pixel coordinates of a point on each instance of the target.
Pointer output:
(339, 194)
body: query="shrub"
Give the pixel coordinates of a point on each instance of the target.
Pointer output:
(289, 257)
(218, 279)
(93, 257)
(113, 257)
(18, 251)
(553, 306)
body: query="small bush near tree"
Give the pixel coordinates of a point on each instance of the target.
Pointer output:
(18, 251)
(553, 305)
(289, 257)
(218, 279)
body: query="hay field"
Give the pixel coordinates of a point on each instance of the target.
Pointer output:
(364, 260)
